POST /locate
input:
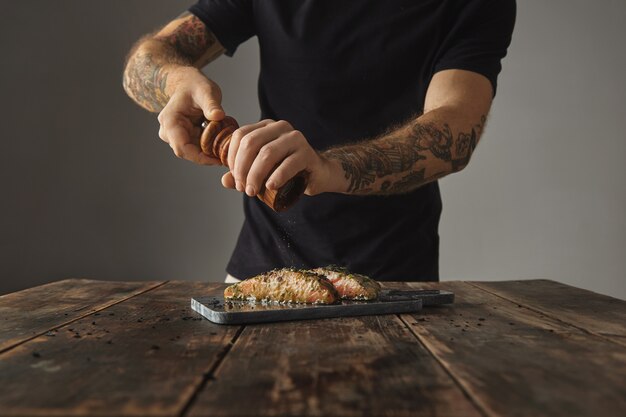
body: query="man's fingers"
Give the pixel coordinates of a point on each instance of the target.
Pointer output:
(250, 145)
(228, 181)
(194, 136)
(183, 147)
(181, 117)
(233, 146)
(177, 136)
(285, 171)
(193, 153)
(163, 134)
(266, 160)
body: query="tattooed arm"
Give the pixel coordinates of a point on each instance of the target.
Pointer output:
(183, 44)
(162, 74)
(435, 144)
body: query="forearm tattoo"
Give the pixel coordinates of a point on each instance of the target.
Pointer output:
(399, 162)
(145, 77)
(145, 81)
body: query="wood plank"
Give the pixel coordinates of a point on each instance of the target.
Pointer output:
(517, 362)
(30, 313)
(144, 356)
(351, 366)
(596, 313)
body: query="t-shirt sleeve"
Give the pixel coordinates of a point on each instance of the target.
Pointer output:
(479, 37)
(231, 21)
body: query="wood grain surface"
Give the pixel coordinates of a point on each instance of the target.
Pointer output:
(595, 313)
(334, 367)
(145, 356)
(35, 311)
(515, 361)
(81, 347)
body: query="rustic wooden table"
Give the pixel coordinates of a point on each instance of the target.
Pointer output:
(516, 348)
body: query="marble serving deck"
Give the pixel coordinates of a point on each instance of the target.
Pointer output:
(215, 309)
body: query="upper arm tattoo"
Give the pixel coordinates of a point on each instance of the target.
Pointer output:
(399, 162)
(191, 39)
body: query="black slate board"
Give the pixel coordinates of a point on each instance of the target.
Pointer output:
(215, 309)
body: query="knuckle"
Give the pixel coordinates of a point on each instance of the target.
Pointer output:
(244, 144)
(167, 120)
(266, 153)
(284, 124)
(177, 151)
(295, 135)
(247, 141)
(176, 148)
(162, 134)
(237, 135)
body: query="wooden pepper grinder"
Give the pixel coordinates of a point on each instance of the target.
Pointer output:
(214, 142)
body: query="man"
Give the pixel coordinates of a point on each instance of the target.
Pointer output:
(375, 99)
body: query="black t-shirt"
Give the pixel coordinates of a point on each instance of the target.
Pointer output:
(343, 71)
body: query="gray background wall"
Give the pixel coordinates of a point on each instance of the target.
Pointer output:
(88, 189)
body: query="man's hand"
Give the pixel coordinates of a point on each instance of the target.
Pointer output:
(163, 75)
(269, 153)
(194, 99)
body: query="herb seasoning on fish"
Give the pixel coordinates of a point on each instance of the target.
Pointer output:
(350, 286)
(284, 286)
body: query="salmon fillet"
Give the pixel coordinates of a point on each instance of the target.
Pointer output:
(350, 286)
(284, 286)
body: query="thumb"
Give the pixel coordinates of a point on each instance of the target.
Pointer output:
(228, 181)
(210, 101)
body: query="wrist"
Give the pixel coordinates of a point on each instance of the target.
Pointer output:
(335, 181)
(177, 75)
